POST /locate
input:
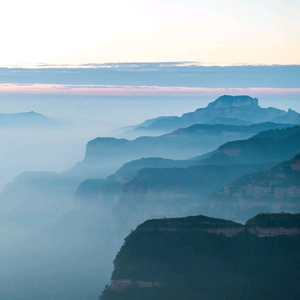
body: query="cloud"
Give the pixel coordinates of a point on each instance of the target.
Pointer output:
(183, 74)
(123, 90)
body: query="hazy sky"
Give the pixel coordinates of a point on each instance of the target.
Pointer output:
(210, 32)
(113, 95)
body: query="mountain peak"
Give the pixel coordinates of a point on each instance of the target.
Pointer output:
(233, 101)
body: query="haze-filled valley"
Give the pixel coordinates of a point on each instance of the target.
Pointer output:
(150, 150)
(86, 205)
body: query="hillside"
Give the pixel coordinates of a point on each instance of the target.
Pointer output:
(241, 107)
(206, 258)
(170, 192)
(108, 154)
(273, 190)
(274, 145)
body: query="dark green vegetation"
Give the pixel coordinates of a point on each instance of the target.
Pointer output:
(269, 220)
(174, 259)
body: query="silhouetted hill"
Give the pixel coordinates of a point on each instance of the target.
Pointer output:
(270, 145)
(291, 117)
(108, 154)
(241, 107)
(26, 119)
(206, 258)
(230, 110)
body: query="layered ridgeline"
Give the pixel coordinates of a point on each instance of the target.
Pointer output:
(271, 145)
(109, 154)
(266, 148)
(206, 258)
(172, 192)
(184, 190)
(277, 189)
(51, 194)
(106, 192)
(230, 110)
(28, 119)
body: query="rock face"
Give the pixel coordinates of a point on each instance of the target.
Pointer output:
(172, 192)
(241, 107)
(234, 101)
(271, 145)
(291, 117)
(234, 110)
(181, 144)
(196, 258)
(277, 189)
(106, 192)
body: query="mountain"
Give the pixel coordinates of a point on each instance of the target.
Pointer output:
(108, 154)
(229, 110)
(274, 145)
(106, 192)
(276, 189)
(291, 117)
(172, 192)
(26, 119)
(229, 121)
(207, 258)
(241, 107)
(135, 131)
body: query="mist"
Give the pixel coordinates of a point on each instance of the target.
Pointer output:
(72, 191)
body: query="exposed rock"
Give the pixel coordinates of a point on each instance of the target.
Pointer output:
(233, 101)
(195, 257)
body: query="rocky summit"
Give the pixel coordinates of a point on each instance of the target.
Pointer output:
(234, 101)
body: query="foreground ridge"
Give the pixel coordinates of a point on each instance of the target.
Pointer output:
(209, 258)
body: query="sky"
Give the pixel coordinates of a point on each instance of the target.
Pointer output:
(99, 65)
(232, 32)
(118, 94)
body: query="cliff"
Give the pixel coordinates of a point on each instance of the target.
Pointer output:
(196, 258)
(108, 154)
(241, 107)
(291, 117)
(276, 189)
(234, 101)
(106, 192)
(172, 192)
(274, 145)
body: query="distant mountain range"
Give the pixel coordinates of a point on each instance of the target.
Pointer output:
(27, 119)
(191, 180)
(207, 258)
(228, 110)
(160, 187)
(181, 144)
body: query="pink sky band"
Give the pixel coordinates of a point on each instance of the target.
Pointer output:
(112, 90)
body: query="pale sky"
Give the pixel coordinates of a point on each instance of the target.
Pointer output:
(209, 32)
